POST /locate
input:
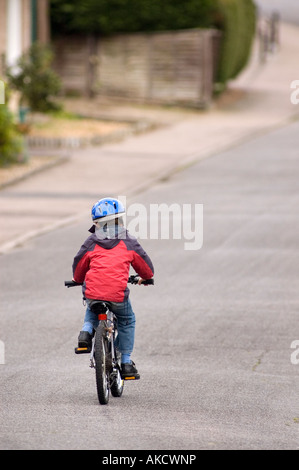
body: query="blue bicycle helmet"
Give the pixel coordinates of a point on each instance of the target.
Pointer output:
(106, 209)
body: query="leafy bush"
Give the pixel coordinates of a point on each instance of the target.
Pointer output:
(35, 80)
(11, 141)
(115, 16)
(236, 19)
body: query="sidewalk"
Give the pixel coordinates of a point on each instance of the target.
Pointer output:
(258, 102)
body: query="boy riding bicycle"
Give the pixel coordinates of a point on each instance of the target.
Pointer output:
(102, 265)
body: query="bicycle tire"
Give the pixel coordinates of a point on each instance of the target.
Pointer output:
(102, 372)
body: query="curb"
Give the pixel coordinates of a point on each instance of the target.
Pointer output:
(43, 144)
(18, 242)
(81, 142)
(185, 163)
(27, 174)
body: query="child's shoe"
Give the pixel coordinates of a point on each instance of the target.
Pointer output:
(84, 342)
(129, 371)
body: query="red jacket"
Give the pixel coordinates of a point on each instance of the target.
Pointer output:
(103, 266)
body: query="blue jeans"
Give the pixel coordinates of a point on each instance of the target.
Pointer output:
(125, 324)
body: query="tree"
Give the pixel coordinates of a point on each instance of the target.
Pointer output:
(11, 142)
(111, 16)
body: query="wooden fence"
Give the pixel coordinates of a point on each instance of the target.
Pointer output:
(167, 67)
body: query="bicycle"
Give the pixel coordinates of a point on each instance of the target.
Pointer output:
(104, 357)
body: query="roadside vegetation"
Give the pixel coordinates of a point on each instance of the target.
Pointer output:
(11, 141)
(236, 19)
(39, 86)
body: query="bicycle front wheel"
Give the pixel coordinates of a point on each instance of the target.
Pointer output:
(100, 356)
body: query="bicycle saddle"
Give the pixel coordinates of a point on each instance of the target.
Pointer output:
(98, 306)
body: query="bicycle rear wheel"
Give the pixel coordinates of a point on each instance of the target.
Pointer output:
(102, 373)
(117, 386)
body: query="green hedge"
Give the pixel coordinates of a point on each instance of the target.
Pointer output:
(11, 141)
(237, 21)
(127, 16)
(235, 18)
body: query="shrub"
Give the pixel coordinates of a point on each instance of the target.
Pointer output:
(236, 19)
(35, 80)
(128, 16)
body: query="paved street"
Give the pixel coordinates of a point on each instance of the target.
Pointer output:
(259, 102)
(214, 335)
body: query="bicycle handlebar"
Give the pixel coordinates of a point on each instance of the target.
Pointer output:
(71, 284)
(135, 278)
(132, 280)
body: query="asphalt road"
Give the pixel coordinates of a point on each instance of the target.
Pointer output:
(214, 335)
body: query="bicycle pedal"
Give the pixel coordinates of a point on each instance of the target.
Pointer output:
(82, 350)
(131, 378)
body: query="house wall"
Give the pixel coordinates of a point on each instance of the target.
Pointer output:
(2, 33)
(16, 27)
(26, 24)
